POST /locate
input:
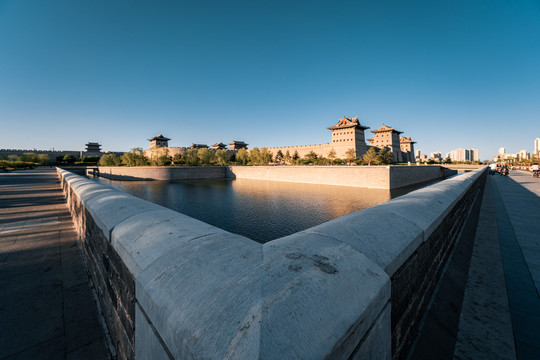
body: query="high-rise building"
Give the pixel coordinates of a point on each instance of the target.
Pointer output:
(502, 151)
(465, 155)
(537, 146)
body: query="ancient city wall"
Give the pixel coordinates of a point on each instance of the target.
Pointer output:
(374, 177)
(52, 154)
(354, 287)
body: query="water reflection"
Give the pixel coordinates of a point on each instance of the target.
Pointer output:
(260, 210)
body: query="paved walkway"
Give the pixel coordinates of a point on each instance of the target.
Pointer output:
(47, 310)
(500, 317)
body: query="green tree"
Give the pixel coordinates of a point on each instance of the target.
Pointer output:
(279, 156)
(178, 159)
(312, 155)
(109, 160)
(255, 156)
(135, 158)
(70, 159)
(266, 156)
(288, 157)
(295, 157)
(351, 155)
(44, 159)
(191, 157)
(332, 154)
(385, 156)
(371, 157)
(222, 157)
(29, 157)
(159, 156)
(242, 157)
(206, 156)
(13, 157)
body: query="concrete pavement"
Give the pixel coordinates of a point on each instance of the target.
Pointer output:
(500, 316)
(47, 310)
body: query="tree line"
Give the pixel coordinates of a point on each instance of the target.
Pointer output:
(159, 156)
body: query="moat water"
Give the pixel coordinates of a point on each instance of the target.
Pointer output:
(260, 210)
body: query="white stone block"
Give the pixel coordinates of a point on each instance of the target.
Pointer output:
(386, 238)
(320, 297)
(110, 208)
(204, 297)
(378, 342)
(144, 238)
(147, 345)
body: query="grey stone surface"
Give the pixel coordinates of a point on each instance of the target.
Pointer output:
(144, 238)
(46, 307)
(323, 292)
(485, 329)
(368, 232)
(523, 295)
(147, 344)
(377, 343)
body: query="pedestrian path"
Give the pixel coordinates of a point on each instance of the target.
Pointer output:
(47, 310)
(500, 316)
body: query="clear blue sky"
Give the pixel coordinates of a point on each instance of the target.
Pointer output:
(448, 73)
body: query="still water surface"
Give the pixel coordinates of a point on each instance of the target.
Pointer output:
(258, 209)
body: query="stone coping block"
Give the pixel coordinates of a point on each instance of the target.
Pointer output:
(317, 293)
(389, 233)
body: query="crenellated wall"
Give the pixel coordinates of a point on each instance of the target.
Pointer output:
(354, 287)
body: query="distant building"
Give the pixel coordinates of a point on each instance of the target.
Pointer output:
(93, 149)
(237, 145)
(436, 156)
(523, 155)
(386, 136)
(348, 135)
(407, 148)
(502, 150)
(219, 146)
(537, 146)
(465, 155)
(159, 140)
(423, 157)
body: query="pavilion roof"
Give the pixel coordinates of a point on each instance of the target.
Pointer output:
(406, 139)
(159, 137)
(346, 122)
(385, 128)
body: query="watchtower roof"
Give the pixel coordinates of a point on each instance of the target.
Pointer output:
(236, 142)
(159, 137)
(346, 122)
(406, 140)
(385, 128)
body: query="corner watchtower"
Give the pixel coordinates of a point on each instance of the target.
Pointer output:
(387, 136)
(159, 140)
(349, 133)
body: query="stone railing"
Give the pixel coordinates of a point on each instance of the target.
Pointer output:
(175, 287)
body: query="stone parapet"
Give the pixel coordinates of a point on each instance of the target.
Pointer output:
(354, 287)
